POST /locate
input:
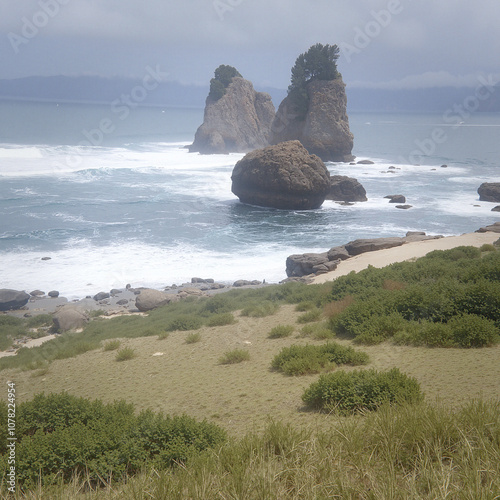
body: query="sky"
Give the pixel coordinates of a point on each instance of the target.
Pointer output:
(384, 44)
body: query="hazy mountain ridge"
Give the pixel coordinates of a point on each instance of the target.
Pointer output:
(96, 89)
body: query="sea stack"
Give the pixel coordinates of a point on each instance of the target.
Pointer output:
(315, 109)
(236, 119)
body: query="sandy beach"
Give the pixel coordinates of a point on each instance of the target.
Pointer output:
(408, 251)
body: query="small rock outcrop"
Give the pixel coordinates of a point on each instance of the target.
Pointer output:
(345, 188)
(150, 299)
(324, 131)
(300, 265)
(493, 228)
(12, 299)
(69, 317)
(239, 121)
(284, 176)
(396, 198)
(489, 191)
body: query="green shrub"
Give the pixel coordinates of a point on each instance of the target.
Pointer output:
(469, 330)
(193, 338)
(221, 319)
(361, 391)
(60, 436)
(260, 310)
(310, 316)
(112, 345)
(184, 323)
(125, 354)
(301, 360)
(39, 320)
(281, 331)
(305, 305)
(234, 356)
(163, 335)
(487, 248)
(318, 331)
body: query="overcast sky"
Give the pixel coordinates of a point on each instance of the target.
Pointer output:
(389, 43)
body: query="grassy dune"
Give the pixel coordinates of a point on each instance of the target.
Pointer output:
(445, 447)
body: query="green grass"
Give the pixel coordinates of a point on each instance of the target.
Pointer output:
(112, 345)
(193, 338)
(234, 356)
(125, 354)
(413, 451)
(281, 331)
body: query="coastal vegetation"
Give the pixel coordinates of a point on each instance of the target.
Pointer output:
(360, 429)
(319, 62)
(223, 76)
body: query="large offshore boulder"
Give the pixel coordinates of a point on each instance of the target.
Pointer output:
(283, 176)
(239, 121)
(345, 188)
(324, 130)
(489, 191)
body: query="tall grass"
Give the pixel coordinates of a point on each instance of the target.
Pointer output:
(423, 451)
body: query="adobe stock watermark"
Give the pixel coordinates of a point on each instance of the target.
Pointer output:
(120, 109)
(31, 27)
(455, 116)
(363, 37)
(222, 7)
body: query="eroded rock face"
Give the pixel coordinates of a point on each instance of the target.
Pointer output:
(239, 121)
(489, 191)
(325, 129)
(345, 188)
(284, 176)
(12, 299)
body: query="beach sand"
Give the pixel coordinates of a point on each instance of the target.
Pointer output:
(408, 251)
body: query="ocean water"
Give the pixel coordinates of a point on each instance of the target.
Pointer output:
(115, 199)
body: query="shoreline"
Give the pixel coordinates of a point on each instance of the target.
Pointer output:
(407, 251)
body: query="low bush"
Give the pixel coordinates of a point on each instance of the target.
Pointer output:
(487, 248)
(125, 354)
(61, 436)
(310, 316)
(193, 338)
(317, 331)
(221, 319)
(112, 345)
(260, 310)
(359, 391)
(301, 360)
(469, 330)
(305, 305)
(184, 323)
(281, 331)
(234, 356)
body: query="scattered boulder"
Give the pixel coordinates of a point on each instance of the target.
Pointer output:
(360, 246)
(346, 189)
(444, 166)
(149, 299)
(404, 207)
(496, 209)
(284, 176)
(396, 198)
(101, 296)
(240, 283)
(365, 162)
(37, 293)
(202, 280)
(494, 228)
(304, 264)
(122, 302)
(324, 131)
(489, 191)
(12, 299)
(53, 293)
(239, 121)
(69, 317)
(46, 258)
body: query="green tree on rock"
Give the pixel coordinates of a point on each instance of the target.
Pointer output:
(318, 63)
(223, 76)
